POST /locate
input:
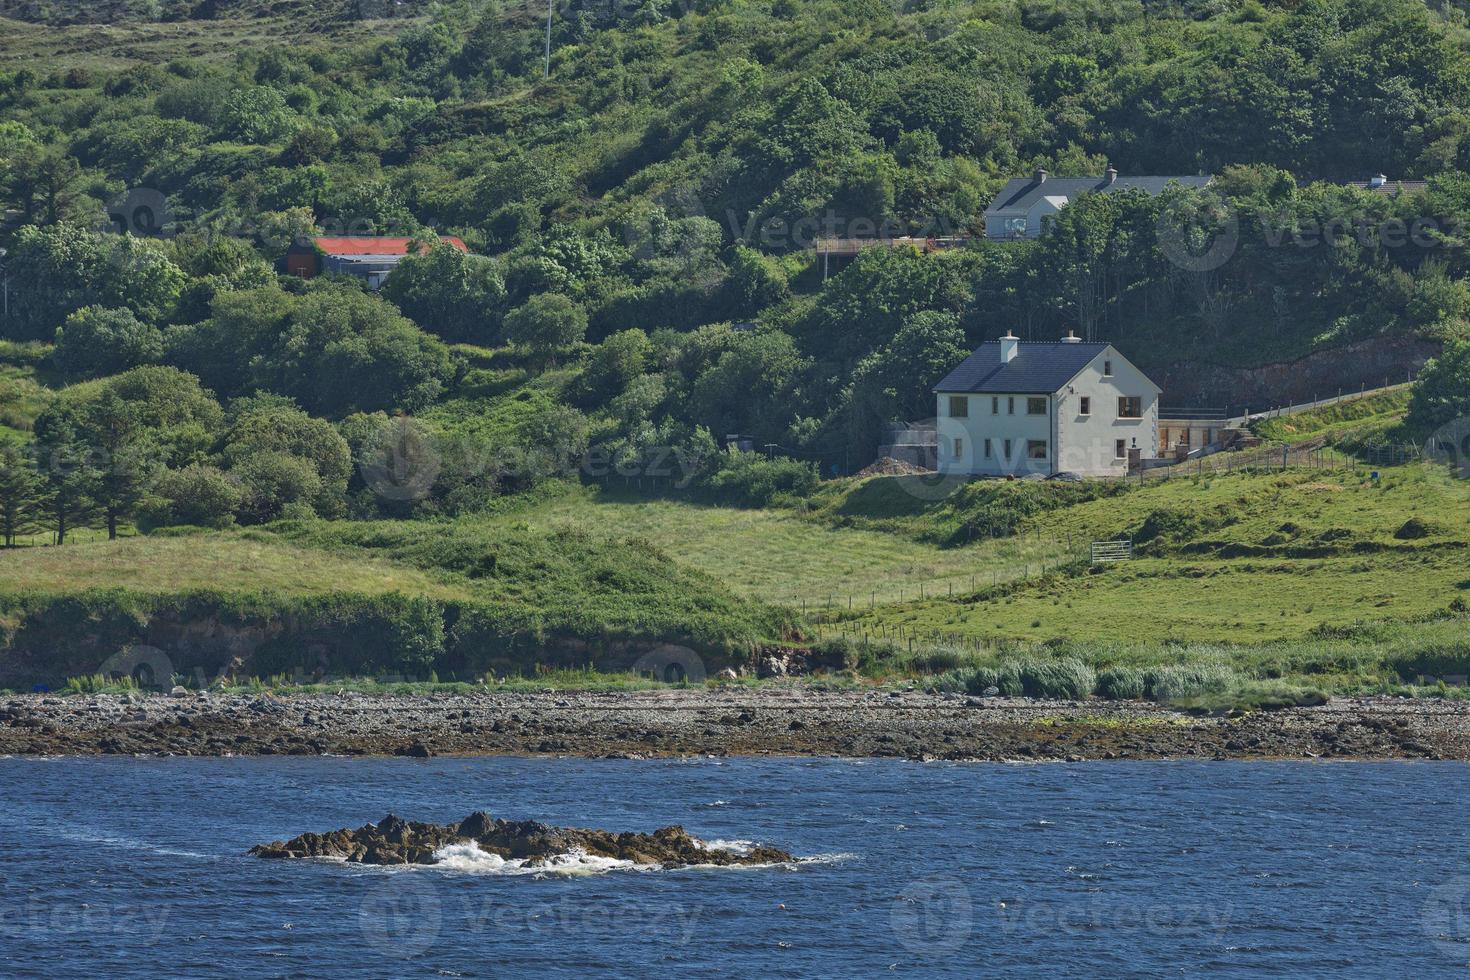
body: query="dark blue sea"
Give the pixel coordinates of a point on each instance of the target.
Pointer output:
(137, 868)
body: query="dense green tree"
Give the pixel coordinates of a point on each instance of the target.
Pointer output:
(198, 495)
(1442, 392)
(276, 432)
(546, 325)
(95, 341)
(21, 489)
(456, 296)
(614, 364)
(58, 270)
(70, 469)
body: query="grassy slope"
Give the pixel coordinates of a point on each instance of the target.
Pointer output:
(1254, 558)
(1376, 413)
(778, 556)
(111, 47)
(227, 562)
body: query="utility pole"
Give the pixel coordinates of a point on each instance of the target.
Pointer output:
(549, 9)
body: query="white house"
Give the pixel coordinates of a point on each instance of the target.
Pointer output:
(1021, 208)
(1014, 408)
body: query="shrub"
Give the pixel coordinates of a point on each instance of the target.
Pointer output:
(1067, 678)
(201, 496)
(1190, 681)
(964, 680)
(751, 480)
(1123, 684)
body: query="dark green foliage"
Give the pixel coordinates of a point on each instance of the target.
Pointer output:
(96, 341)
(752, 480)
(58, 270)
(546, 325)
(21, 499)
(455, 296)
(335, 350)
(1442, 393)
(195, 496)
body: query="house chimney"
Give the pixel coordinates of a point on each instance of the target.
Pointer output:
(1071, 338)
(1111, 176)
(1009, 347)
(1040, 176)
(1378, 181)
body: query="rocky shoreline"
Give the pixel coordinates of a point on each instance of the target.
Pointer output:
(785, 721)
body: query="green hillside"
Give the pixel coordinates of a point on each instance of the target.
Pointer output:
(535, 430)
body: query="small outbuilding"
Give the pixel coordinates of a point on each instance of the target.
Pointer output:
(370, 258)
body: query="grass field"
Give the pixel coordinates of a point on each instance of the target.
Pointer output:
(1243, 558)
(779, 556)
(226, 562)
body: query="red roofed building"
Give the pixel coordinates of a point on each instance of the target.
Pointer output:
(368, 258)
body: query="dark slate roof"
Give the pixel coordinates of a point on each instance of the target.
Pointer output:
(1022, 192)
(1037, 369)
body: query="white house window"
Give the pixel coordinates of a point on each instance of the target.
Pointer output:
(1008, 450)
(1036, 406)
(987, 449)
(959, 448)
(995, 405)
(1120, 448)
(1036, 449)
(1085, 407)
(959, 408)
(1011, 406)
(1107, 369)
(1130, 407)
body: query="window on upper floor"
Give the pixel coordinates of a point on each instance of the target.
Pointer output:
(1011, 405)
(1107, 369)
(959, 407)
(1036, 406)
(994, 404)
(1084, 407)
(1130, 407)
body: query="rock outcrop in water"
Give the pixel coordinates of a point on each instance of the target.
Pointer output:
(396, 841)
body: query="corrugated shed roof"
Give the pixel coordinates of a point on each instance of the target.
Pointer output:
(1022, 192)
(371, 245)
(1039, 368)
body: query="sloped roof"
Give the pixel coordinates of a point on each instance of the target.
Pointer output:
(373, 245)
(1039, 368)
(1022, 192)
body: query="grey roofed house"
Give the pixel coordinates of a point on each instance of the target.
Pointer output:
(1038, 369)
(1019, 210)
